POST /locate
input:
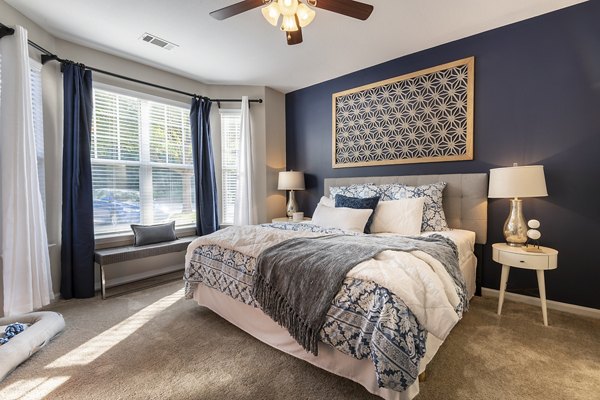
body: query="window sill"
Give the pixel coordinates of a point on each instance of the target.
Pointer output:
(107, 240)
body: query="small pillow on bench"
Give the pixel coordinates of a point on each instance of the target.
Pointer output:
(149, 234)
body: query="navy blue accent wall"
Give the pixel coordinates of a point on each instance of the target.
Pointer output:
(537, 101)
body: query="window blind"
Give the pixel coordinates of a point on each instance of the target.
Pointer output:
(230, 148)
(142, 169)
(35, 77)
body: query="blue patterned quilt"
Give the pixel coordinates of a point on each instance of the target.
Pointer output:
(365, 320)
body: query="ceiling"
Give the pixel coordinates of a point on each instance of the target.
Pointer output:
(246, 50)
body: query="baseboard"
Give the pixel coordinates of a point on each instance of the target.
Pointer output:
(535, 301)
(142, 275)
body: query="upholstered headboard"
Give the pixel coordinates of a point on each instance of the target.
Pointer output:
(464, 199)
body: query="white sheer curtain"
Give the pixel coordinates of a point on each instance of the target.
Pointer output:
(245, 212)
(23, 240)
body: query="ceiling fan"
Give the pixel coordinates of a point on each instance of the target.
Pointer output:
(296, 13)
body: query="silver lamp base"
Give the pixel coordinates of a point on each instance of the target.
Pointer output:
(292, 206)
(515, 227)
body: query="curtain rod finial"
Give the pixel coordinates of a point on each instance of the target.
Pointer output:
(6, 31)
(48, 57)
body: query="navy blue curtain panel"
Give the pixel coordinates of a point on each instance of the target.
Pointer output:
(77, 252)
(207, 218)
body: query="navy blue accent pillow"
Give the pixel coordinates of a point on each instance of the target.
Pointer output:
(355, 202)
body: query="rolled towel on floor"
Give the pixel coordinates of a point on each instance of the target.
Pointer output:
(11, 330)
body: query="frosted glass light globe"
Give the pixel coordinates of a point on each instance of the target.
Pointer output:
(288, 24)
(305, 15)
(288, 7)
(271, 13)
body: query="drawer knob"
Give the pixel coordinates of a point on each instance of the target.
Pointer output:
(521, 261)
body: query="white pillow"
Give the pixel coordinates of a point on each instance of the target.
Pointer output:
(327, 201)
(434, 218)
(398, 216)
(350, 219)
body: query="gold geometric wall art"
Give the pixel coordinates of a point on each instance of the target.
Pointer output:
(424, 116)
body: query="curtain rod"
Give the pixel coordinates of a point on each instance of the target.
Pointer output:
(48, 56)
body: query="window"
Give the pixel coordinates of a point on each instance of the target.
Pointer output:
(35, 77)
(230, 148)
(142, 168)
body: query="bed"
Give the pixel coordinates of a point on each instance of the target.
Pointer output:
(219, 276)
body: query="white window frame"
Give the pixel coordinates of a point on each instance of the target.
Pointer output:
(113, 238)
(223, 192)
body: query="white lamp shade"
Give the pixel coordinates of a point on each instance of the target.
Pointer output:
(291, 180)
(518, 181)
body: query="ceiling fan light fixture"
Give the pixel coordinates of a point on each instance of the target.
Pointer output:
(288, 7)
(289, 23)
(296, 13)
(305, 14)
(271, 13)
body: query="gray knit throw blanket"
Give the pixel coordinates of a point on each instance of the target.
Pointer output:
(296, 280)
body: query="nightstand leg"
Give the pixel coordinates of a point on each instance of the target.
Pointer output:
(503, 281)
(542, 287)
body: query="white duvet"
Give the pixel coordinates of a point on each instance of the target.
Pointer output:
(418, 279)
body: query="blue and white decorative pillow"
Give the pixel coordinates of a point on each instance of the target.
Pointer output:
(358, 203)
(362, 190)
(434, 218)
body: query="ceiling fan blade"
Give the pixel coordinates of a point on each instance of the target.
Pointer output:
(350, 8)
(236, 9)
(294, 37)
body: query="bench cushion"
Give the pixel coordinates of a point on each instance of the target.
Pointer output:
(126, 253)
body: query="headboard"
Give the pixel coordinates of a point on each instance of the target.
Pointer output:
(464, 198)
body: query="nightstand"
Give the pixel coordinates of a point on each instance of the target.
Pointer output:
(286, 219)
(510, 256)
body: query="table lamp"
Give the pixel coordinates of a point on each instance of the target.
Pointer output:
(512, 183)
(291, 180)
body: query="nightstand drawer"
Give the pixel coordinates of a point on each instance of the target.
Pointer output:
(531, 261)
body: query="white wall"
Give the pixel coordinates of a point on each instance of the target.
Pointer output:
(275, 152)
(268, 123)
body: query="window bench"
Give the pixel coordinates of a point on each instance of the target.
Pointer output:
(114, 255)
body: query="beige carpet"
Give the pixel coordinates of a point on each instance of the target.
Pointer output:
(153, 345)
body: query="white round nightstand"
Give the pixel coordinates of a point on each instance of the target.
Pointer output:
(510, 256)
(286, 219)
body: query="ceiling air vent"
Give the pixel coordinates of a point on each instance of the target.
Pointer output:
(155, 40)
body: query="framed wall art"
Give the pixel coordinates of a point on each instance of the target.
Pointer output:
(424, 116)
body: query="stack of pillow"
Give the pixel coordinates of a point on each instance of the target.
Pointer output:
(389, 208)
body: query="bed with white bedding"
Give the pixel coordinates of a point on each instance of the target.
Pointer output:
(379, 331)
